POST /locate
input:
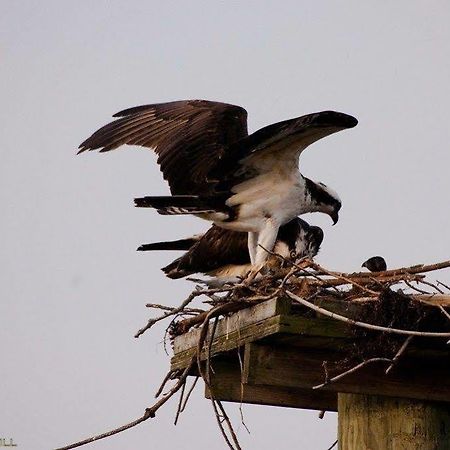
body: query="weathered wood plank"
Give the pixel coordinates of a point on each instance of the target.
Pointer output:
(230, 341)
(388, 423)
(227, 386)
(241, 319)
(427, 379)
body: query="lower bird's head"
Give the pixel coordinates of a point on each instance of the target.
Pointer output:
(297, 239)
(323, 199)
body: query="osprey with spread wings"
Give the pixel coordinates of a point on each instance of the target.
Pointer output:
(219, 172)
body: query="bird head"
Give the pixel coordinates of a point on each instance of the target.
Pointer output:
(297, 239)
(324, 199)
(375, 264)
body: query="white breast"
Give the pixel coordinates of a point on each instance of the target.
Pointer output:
(278, 194)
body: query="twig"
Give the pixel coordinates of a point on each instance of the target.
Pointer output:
(353, 369)
(400, 351)
(180, 402)
(418, 268)
(241, 368)
(180, 308)
(183, 406)
(230, 426)
(357, 323)
(443, 284)
(446, 314)
(342, 277)
(164, 382)
(414, 288)
(171, 308)
(333, 445)
(432, 285)
(149, 413)
(214, 312)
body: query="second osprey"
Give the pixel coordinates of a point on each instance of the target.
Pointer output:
(218, 172)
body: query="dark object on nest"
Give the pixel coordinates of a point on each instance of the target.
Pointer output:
(375, 264)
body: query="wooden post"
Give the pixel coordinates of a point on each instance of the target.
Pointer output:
(372, 422)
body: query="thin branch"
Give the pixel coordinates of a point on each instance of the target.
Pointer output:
(333, 445)
(180, 402)
(171, 308)
(164, 382)
(183, 305)
(230, 426)
(357, 323)
(352, 370)
(149, 413)
(433, 286)
(342, 277)
(418, 268)
(183, 406)
(414, 288)
(443, 284)
(444, 311)
(399, 353)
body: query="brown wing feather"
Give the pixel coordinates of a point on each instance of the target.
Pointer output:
(189, 136)
(218, 247)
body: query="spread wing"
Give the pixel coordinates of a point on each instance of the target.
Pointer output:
(217, 248)
(281, 143)
(189, 137)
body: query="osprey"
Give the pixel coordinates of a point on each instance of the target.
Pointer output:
(219, 172)
(223, 253)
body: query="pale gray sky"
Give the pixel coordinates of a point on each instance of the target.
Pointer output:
(73, 287)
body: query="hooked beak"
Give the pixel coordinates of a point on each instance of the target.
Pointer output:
(334, 217)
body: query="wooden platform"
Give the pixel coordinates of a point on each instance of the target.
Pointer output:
(271, 354)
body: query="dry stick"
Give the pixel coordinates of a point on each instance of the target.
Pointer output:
(180, 402)
(417, 269)
(369, 326)
(446, 314)
(219, 422)
(296, 265)
(186, 324)
(164, 382)
(342, 277)
(216, 311)
(353, 369)
(149, 413)
(333, 445)
(241, 369)
(180, 308)
(230, 427)
(183, 406)
(399, 353)
(414, 288)
(433, 286)
(443, 284)
(366, 280)
(171, 308)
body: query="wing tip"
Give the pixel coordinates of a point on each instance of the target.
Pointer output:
(336, 118)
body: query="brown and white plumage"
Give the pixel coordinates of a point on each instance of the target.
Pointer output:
(218, 172)
(223, 254)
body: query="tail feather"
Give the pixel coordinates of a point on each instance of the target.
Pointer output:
(173, 271)
(180, 204)
(180, 244)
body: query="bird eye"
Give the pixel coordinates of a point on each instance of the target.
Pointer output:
(293, 254)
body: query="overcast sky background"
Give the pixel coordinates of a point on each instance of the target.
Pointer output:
(74, 289)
